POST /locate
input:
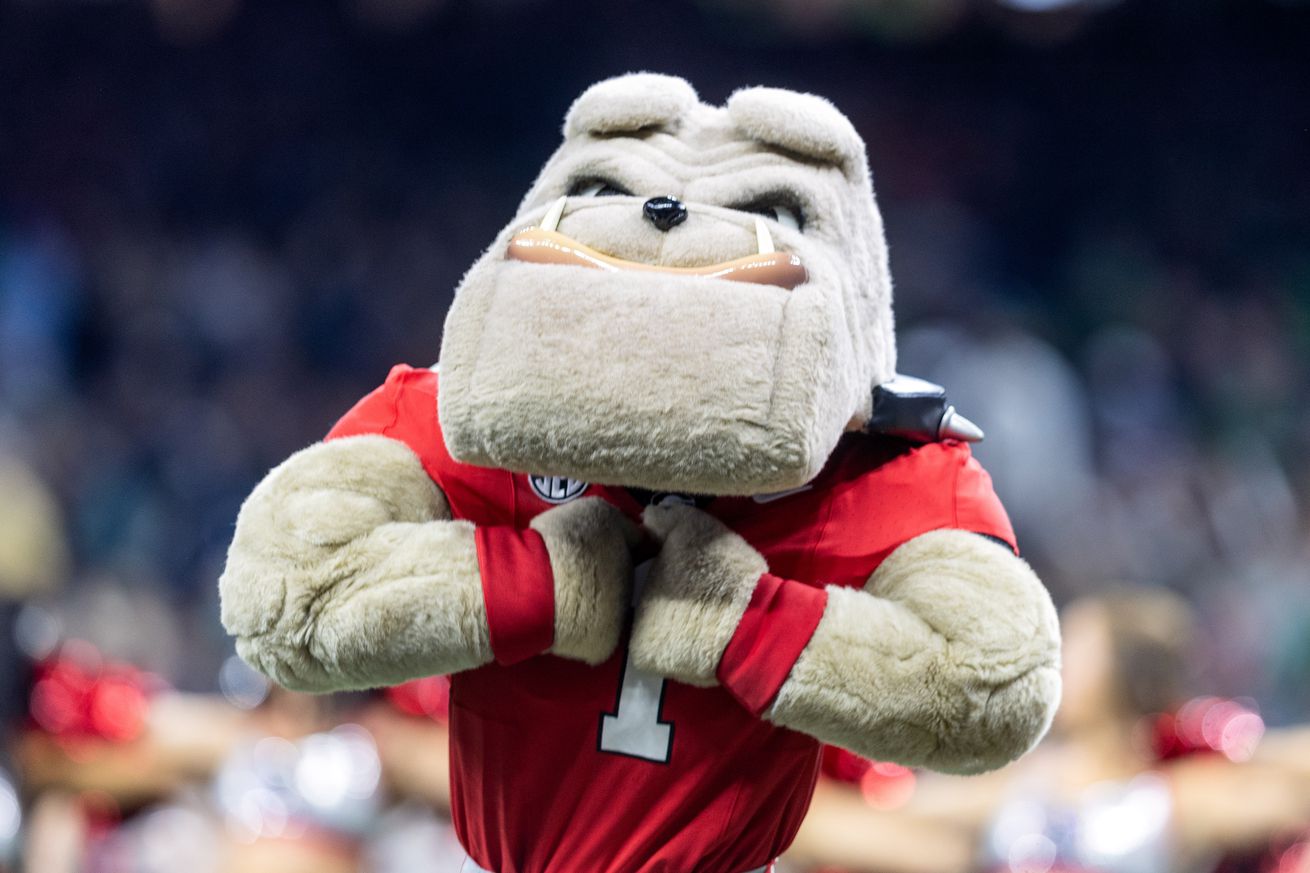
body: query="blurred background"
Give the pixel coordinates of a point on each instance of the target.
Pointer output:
(221, 221)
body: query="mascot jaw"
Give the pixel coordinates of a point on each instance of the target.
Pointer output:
(639, 378)
(544, 244)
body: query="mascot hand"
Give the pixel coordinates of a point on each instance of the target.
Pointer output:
(590, 545)
(695, 595)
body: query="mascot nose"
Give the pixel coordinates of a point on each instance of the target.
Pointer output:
(664, 212)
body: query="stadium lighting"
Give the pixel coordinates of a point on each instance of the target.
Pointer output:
(1040, 5)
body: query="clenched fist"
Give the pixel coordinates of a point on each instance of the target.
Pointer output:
(590, 545)
(695, 595)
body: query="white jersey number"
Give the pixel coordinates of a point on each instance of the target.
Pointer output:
(634, 728)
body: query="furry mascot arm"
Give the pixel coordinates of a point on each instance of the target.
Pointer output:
(947, 659)
(346, 571)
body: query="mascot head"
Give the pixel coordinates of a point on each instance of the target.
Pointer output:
(691, 298)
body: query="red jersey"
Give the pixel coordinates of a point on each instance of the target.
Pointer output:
(562, 767)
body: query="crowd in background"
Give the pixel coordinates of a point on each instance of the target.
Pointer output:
(215, 237)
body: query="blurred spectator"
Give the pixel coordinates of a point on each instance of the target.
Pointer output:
(33, 551)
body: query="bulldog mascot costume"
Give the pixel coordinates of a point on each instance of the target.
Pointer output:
(640, 516)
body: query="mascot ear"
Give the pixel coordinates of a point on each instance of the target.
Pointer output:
(629, 103)
(804, 124)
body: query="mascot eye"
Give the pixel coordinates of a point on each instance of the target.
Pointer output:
(597, 188)
(786, 214)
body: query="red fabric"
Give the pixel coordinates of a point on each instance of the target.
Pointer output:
(532, 789)
(776, 627)
(405, 409)
(977, 508)
(519, 591)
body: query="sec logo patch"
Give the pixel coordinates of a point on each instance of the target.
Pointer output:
(556, 489)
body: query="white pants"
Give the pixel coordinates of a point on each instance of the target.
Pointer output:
(471, 866)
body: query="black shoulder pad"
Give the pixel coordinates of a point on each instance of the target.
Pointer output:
(917, 410)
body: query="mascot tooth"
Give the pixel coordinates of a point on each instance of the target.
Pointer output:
(651, 513)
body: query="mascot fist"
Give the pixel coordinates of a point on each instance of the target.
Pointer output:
(694, 596)
(590, 545)
(340, 554)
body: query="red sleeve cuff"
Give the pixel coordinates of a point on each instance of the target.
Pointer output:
(778, 624)
(519, 590)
